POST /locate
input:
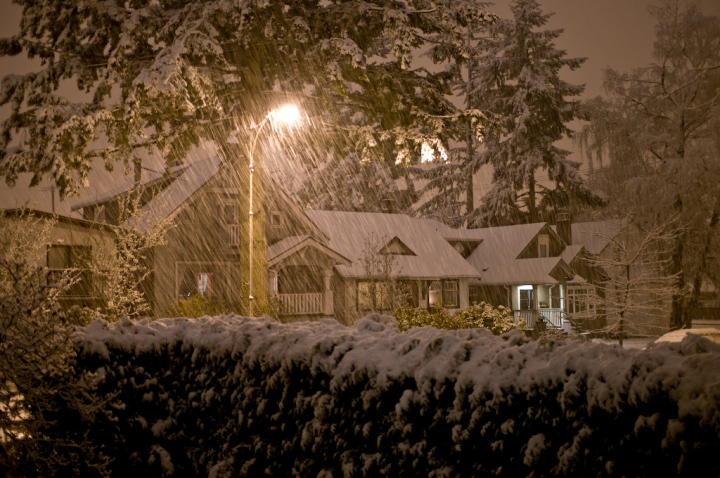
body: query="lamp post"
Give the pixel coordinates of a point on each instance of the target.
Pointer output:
(288, 115)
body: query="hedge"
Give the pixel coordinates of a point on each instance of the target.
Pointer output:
(232, 396)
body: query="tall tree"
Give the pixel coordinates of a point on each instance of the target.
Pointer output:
(518, 81)
(154, 73)
(660, 130)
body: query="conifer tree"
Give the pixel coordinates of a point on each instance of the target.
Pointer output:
(518, 81)
(156, 73)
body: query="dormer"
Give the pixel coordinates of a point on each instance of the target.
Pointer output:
(546, 243)
(396, 247)
(464, 247)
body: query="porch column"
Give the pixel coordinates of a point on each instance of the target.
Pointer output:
(535, 297)
(464, 293)
(328, 304)
(420, 295)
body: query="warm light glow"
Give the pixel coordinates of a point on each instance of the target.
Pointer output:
(288, 114)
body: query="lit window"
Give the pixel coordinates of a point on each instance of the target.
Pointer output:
(435, 293)
(204, 284)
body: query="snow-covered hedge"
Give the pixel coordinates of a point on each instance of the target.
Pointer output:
(231, 396)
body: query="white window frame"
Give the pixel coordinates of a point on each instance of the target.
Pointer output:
(543, 240)
(579, 296)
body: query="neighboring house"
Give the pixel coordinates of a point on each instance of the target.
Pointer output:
(634, 283)
(431, 270)
(525, 268)
(203, 254)
(73, 245)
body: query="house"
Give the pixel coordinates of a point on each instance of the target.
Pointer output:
(633, 286)
(324, 263)
(207, 246)
(427, 266)
(73, 244)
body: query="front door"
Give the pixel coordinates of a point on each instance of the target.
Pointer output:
(526, 299)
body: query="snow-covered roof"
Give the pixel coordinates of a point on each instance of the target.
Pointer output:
(496, 258)
(506, 242)
(128, 185)
(546, 270)
(290, 245)
(593, 235)
(192, 178)
(435, 259)
(570, 252)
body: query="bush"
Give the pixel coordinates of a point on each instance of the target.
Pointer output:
(232, 396)
(496, 320)
(197, 306)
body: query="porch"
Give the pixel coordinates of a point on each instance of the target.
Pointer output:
(300, 269)
(534, 302)
(552, 317)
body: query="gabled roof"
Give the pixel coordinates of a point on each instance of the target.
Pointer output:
(435, 259)
(506, 242)
(284, 201)
(595, 236)
(496, 258)
(150, 179)
(570, 252)
(290, 245)
(546, 270)
(192, 178)
(59, 217)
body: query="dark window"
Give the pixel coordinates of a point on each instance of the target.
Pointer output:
(450, 293)
(229, 214)
(275, 219)
(374, 295)
(62, 257)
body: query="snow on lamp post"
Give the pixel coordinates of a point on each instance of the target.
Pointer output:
(288, 115)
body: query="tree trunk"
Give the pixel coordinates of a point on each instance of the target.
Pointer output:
(470, 198)
(532, 209)
(678, 299)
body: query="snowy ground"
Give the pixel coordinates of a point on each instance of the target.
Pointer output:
(630, 343)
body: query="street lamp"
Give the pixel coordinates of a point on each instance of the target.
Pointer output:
(288, 115)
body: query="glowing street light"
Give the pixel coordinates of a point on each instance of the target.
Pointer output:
(288, 115)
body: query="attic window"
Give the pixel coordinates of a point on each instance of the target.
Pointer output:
(543, 245)
(396, 247)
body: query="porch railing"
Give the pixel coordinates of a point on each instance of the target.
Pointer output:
(234, 230)
(553, 316)
(301, 304)
(530, 317)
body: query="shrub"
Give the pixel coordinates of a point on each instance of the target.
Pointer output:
(44, 401)
(197, 306)
(496, 320)
(233, 396)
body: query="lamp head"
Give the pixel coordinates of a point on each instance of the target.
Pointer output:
(288, 114)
